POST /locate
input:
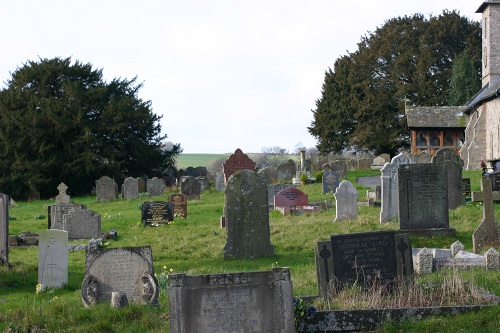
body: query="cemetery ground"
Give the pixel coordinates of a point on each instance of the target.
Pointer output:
(195, 246)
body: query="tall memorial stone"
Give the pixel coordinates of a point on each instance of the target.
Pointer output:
(179, 201)
(331, 181)
(236, 162)
(191, 187)
(130, 188)
(389, 187)
(286, 170)
(454, 166)
(232, 302)
(488, 232)
(62, 197)
(4, 229)
(127, 269)
(219, 180)
(106, 189)
(423, 199)
(346, 202)
(246, 214)
(155, 186)
(53, 258)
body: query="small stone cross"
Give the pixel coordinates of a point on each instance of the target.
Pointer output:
(488, 232)
(62, 197)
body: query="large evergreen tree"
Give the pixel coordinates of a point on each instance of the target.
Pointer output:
(62, 122)
(465, 81)
(407, 60)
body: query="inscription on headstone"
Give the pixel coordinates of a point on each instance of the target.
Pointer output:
(179, 201)
(275, 189)
(289, 197)
(130, 188)
(53, 258)
(155, 213)
(330, 181)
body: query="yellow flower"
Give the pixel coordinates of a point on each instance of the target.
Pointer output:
(164, 267)
(39, 288)
(171, 270)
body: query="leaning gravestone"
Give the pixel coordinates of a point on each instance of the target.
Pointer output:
(246, 214)
(106, 189)
(454, 166)
(232, 302)
(236, 162)
(53, 258)
(191, 187)
(330, 181)
(4, 229)
(155, 186)
(371, 257)
(155, 213)
(179, 201)
(389, 187)
(272, 190)
(423, 200)
(346, 202)
(286, 170)
(82, 224)
(128, 269)
(62, 197)
(488, 232)
(130, 188)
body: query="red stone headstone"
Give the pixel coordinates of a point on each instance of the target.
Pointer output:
(290, 197)
(236, 162)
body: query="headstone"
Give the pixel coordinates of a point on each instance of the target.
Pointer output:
(371, 257)
(190, 187)
(53, 258)
(127, 269)
(155, 213)
(466, 186)
(422, 157)
(204, 183)
(231, 302)
(289, 197)
(179, 201)
(324, 267)
(106, 189)
(326, 167)
(330, 181)
(155, 186)
(389, 186)
(219, 180)
(62, 197)
(130, 188)
(286, 170)
(340, 167)
(423, 200)
(56, 214)
(423, 262)
(378, 162)
(271, 173)
(4, 229)
(364, 163)
(488, 232)
(236, 162)
(141, 183)
(346, 202)
(246, 214)
(82, 224)
(272, 190)
(454, 166)
(492, 259)
(386, 157)
(495, 180)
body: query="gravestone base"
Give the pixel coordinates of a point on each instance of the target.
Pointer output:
(429, 232)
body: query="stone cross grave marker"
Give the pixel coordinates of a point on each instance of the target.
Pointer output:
(53, 258)
(155, 213)
(130, 188)
(246, 214)
(232, 302)
(346, 202)
(331, 181)
(454, 166)
(324, 267)
(389, 187)
(236, 162)
(106, 189)
(488, 232)
(155, 186)
(4, 229)
(179, 201)
(82, 224)
(191, 187)
(128, 269)
(62, 197)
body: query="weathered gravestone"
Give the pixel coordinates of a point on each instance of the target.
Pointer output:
(340, 167)
(371, 257)
(128, 269)
(106, 189)
(141, 183)
(495, 180)
(330, 181)
(53, 258)
(246, 214)
(62, 197)
(236, 162)
(454, 166)
(155, 186)
(219, 180)
(57, 212)
(155, 213)
(286, 170)
(179, 201)
(271, 173)
(191, 187)
(423, 200)
(488, 232)
(422, 157)
(272, 190)
(389, 187)
(204, 183)
(346, 202)
(82, 224)
(4, 229)
(130, 188)
(326, 167)
(324, 267)
(232, 302)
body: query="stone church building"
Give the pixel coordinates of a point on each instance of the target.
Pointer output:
(482, 113)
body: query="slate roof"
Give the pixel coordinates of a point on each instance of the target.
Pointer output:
(435, 116)
(488, 92)
(486, 3)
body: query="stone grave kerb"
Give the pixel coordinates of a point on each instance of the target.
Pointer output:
(488, 232)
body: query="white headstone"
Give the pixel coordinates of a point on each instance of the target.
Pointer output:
(53, 258)
(346, 202)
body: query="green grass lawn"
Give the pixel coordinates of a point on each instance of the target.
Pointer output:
(195, 246)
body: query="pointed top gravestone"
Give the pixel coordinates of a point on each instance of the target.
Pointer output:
(389, 187)
(488, 232)
(4, 229)
(235, 162)
(454, 166)
(62, 197)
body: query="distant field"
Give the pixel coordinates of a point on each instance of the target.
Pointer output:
(195, 160)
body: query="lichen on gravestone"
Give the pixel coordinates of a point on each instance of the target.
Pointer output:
(492, 259)
(455, 247)
(423, 262)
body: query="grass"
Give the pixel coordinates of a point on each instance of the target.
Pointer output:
(194, 246)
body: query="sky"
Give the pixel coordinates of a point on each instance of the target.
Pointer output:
(223, 74)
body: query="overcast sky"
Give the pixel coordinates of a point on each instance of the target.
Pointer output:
(224, 74)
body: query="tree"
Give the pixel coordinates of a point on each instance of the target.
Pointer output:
(407, 60)
(275, 155)
(465, 81)
(62, 122)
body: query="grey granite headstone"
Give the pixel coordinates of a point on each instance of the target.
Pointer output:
(128, 269)
(62, 197)
(422, 157)
(56, 214)
(272, 190)
(130, 188)
(346, 202)
(106, 189)
(4, 229)
(179, 201)
(204, 183)
(488, 232)
(191, 187)
(340, 167)
(219, 180)
(232, 302)
(389, 187)
(286, 170)
(454, 166)
(82, 224)
(331, 181)
(53, 258)
(155, 186)
(141, 183)
(423, 200)
(324, 267)
(246, 214)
